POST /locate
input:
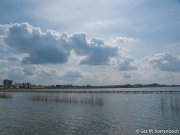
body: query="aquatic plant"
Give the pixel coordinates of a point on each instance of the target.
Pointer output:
(5, 95)
(170, 103)
(94, 100)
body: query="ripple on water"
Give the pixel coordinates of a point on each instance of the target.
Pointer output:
(120, 114)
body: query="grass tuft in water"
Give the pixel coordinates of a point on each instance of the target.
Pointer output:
(172, 104)
(93, 100)
(5, 95)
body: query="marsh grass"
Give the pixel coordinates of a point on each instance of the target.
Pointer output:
(170, 104)
(5, 95)
(93, 100)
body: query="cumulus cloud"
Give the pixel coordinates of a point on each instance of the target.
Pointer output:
(122, 40)
(96, 52)
(52, 47)
(3, 30)
(165, 62)
(126, 64)
(41, 48)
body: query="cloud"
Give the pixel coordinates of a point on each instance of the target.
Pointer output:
(52, 47)
(3, 62)
(126, 75)
(97, 24)
(16, 73)
(31, 73)
(41, 48)
(165, 62)
(96, 52)
(32, 46)
(126, 64)
(3, 29)
(122, 40)
(71, 75)
(39, 74)
(13, 59)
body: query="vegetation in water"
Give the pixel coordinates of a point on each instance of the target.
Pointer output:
(94, 100)
(5, 95)
(168, 103)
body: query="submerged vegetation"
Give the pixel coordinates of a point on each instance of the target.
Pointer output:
(93, 100)
(5, 95)
(170, 104)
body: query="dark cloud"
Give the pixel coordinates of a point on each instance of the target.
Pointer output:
(165, 62)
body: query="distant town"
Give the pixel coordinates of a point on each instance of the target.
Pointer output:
(8, 84)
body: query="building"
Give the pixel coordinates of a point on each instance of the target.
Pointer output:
(26, 85)
(7, 83)
(1, 86)
(17, 85)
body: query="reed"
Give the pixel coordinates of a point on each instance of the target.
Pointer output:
(5, 95)
(162, 104)
(172, 104)
(93, 100)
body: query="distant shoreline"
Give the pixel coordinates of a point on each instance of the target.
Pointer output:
(92, 90)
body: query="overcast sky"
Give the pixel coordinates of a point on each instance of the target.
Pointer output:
(97, 42)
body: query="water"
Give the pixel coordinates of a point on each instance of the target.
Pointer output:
(120, 114)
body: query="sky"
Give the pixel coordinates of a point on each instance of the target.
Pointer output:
(95, 42)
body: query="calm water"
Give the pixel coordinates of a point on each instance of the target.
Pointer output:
(121, 114)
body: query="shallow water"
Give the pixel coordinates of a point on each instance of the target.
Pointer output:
(120, 114)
